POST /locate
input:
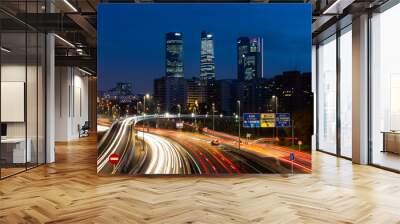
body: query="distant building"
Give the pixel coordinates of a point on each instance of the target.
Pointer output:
(293, 89)
(288, 92)
(169, 92)
(207, 64)
(174, 55)
(196, 93)
(122, 89)
(122, 92)
(249, 58)
(226, 96)
(255, 95)
(160, 92)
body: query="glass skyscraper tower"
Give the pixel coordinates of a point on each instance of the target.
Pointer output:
(207, 64)
(174, 55)
(250, 58)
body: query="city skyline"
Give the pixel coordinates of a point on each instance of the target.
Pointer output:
(146, 57)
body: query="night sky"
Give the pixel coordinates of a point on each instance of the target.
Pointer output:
(131, 39)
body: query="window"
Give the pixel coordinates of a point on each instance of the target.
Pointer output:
(385, 89)
(346, 92)
(326, 90)
(23, 77)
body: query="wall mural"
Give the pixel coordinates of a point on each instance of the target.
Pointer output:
(204, 89)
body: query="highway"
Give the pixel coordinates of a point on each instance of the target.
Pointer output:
(282, 153)
(164, 156)
(162, 151)
(220, 159)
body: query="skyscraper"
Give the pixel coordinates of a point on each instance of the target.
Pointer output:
(207, 64)
(174, 55)
(250, 58)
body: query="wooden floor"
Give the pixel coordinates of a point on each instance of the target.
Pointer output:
(70, 191)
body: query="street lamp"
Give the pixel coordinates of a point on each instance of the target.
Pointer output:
(213, 121)
(276, 103)
(158, 114)
(147, 96)
(275, 98)
(194, 112)
(137, 107)
(238, 102)
(179, 112)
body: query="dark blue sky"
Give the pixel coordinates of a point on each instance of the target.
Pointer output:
(131, 38)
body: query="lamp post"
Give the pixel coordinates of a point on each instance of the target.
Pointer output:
(137, 107)
(179, 112)
(144, 113)
(276, 111)
(238, 102)
(158, 114)
(213, 120)
(194, 112)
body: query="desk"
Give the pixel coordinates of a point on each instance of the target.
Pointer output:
(391, 141)
(13, 150)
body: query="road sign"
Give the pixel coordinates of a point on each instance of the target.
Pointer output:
(282, 120)
(267, 120)
(292, 156)
(292, 159)
(114, 159)
(251, 120)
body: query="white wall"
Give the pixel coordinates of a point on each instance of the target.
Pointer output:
(33, 126)
(13, 73)
(17, 73)
(71, 103)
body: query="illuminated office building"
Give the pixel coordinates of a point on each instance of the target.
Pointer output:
(250, 58)
(207, 64)
(174, 55)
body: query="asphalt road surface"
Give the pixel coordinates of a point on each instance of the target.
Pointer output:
(162, 151)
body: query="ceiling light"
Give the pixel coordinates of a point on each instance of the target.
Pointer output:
(5, 50)
(64, 40)
(70, 5)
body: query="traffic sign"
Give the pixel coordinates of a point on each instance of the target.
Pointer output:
(282, 120)
(114, 158)
(292, 160)
(267, 120)
(291, 156)
(251, 120)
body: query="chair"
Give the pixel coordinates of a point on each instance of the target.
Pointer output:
(84, 130)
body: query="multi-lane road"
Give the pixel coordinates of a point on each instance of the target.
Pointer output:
(162, 151)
